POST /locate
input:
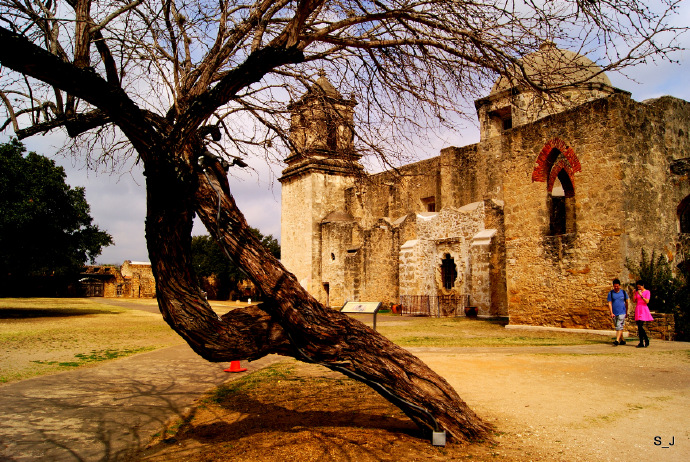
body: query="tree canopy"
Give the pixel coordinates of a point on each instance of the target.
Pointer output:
(45, 226)
(153, 67)
(188, 86)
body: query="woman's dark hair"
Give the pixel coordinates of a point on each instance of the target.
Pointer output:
(640, 283)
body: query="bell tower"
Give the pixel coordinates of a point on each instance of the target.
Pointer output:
(321, 165)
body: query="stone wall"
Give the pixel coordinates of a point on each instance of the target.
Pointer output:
(380, 260)
(296, 229)
(360, 263)
(460, 235)
(562, 280)
(131, 280)
(656, 134)
(308, 199)
(394, 194)
(663, 327)
(140, 277)
(336, 235)
(556, 280)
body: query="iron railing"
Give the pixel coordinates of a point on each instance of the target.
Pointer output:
(434, 305)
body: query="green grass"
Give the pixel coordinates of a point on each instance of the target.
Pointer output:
(46, 335)
(94, 357)
(464, 332)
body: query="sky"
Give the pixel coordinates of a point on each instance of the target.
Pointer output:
(118, 202)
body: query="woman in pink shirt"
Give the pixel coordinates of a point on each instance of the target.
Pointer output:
(642, 314)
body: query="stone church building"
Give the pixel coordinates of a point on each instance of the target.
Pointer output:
(531, 223)
(134, 279)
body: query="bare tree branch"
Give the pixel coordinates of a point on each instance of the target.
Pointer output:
(165, 75)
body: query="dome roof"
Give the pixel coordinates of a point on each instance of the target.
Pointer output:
(550, 66)
(322, 87)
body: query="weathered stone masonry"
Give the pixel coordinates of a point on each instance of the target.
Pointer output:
(533, 222)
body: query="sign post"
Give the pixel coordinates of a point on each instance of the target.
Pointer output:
(362, 307)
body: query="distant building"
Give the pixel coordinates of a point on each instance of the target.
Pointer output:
(134, 279)
(532, 223)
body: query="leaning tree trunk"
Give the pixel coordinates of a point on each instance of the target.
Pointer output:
(290, 322)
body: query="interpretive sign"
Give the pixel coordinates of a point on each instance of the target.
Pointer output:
(362, 307)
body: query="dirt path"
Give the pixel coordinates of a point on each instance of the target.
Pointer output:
(590, 402)
(104, 413)
(584, 403)
(577, 403)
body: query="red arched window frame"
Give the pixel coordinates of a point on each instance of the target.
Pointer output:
(556, 155)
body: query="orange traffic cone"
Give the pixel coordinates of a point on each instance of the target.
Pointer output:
(235, 367)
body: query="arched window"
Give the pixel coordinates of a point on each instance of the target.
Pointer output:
(556, 166)
(449, 272)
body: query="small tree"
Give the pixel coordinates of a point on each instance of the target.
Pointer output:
(657, 274)
(670, 293)
(682, 311)
(45, 226)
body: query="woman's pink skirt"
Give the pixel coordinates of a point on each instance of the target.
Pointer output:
(642, 314)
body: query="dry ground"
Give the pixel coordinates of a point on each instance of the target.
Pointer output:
(300, 412)
(572, 403)
(549, 396)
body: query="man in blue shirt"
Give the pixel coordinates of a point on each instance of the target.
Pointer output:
(618, 305)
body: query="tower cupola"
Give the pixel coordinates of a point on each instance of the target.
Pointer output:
(322, 131)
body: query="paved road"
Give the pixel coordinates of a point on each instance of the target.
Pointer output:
(107, 412)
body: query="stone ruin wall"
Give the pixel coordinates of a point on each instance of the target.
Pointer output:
(380, 272)
(377, 267)
(130, 280)
(658, 132)
(393, 194)
(366, 253)
(362, 264)
(449, 231)
(366, 250)
(139, 278)
(493, 219)
(481, 269)
(335, 248)
(462, 178)
(562, 281)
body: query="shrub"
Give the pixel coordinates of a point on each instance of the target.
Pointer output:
(670, 293)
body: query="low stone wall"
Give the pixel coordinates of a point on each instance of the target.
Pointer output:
(663, 327)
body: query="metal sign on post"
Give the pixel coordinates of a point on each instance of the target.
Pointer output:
(362, 307)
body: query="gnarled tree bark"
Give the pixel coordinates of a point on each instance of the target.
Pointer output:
(290, 322)
(406, 59)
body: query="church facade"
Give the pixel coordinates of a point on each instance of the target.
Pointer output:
(531, 223)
